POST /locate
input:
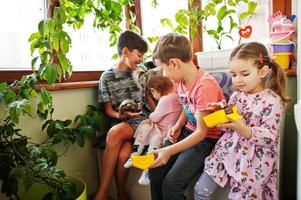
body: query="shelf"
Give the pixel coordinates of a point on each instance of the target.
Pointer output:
(290, 72)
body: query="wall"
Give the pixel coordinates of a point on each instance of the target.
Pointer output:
(78, 162)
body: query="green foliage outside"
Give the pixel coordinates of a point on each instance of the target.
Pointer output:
(224, 12)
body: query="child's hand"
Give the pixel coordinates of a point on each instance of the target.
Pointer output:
(173, 134)
(161, 157)
(238, 126)
(216, 105)
(129, 114)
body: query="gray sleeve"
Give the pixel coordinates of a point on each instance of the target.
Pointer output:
(103, 89)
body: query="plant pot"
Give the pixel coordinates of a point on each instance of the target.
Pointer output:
(283, 59)
(38, 191)
(213, 59)
(282, 47)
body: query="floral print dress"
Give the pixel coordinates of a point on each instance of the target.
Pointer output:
(251, 165)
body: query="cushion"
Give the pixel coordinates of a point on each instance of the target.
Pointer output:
(224, 79)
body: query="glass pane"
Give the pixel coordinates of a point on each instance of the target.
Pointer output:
(259, 23)
(151, 16)
(90, 48)
(18, 19)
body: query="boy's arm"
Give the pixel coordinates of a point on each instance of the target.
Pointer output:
(110, 111)
(182, 120)
(194, 138)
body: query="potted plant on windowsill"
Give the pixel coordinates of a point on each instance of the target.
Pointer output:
(23, 162)
(229, 18)
(219, 19)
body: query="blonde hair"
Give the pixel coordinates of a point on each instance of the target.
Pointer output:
(257, 52)
(172, 45)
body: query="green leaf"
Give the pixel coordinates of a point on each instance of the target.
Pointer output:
(55, 44)
(115, 56)
(64, 62)
(244, 15)
(217, 1)
(78, 2)
(209, 9)
(221, 12)
(80, 141)
(50, 74)
(3, 85)
(67, 122)
(9, 96)
(51, 130)
(252, 7)
(14, 114)
(231, 3)
(33, 63)
(166, 21)
(41, 27)
(26, 107)
(64, 45)
(34, 36)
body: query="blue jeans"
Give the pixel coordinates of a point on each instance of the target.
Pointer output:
(169, 182)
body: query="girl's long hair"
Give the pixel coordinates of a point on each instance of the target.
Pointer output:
(257, 52)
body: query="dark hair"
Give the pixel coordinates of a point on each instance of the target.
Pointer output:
(257, 52)
(156, 80)
(132, 41)
(172, 45)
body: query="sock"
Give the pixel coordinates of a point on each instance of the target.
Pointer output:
(144, 179)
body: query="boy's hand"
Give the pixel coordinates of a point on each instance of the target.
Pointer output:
(161, 157)
(215, 105)
(128, 114)
(173, 134)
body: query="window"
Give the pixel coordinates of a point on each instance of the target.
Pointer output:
(18, 20)
(90, 49)
(259, 24)
(151, 16)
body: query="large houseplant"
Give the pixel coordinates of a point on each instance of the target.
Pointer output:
(23, 162)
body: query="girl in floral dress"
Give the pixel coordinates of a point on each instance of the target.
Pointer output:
(246, 156)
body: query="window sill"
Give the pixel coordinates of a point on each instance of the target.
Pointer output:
(82, 79)
(291, 72)
(78, 76)
(69, 85)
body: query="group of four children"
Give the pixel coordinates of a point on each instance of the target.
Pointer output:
(242, 153)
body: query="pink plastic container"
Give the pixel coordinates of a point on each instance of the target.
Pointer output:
(278, 36)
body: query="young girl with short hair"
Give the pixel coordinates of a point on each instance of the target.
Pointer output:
(153, 131)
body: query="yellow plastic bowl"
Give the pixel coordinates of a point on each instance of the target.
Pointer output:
(143, 162)
(283, 59)
(220, 117)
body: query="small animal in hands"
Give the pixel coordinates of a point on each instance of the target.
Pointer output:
(129, 105)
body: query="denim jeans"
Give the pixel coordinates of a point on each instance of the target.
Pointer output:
(169, 182)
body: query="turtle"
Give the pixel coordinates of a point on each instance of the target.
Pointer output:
(129, 105)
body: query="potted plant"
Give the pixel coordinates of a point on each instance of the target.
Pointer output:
(24, 163)
(219, 19)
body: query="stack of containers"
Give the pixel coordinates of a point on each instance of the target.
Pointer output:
(281, 37)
